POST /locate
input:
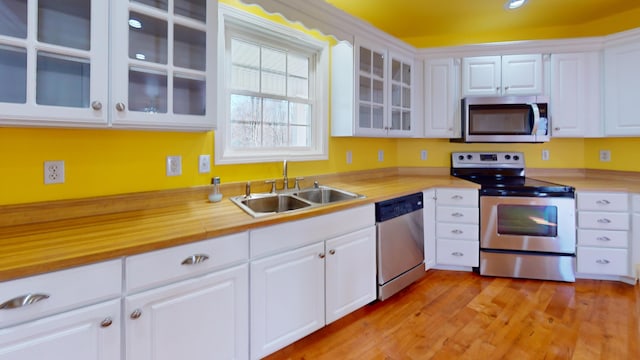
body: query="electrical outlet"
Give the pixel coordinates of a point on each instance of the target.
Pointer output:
(380, 155)
(423, 155)
(54, 172)
(174, 165)
(545, 154)
(605, 155)
(349, 157)
(204, 164)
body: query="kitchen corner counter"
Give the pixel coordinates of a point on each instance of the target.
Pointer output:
(113, 229)
(591, 180)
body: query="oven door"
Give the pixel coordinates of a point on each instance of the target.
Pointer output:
(542, 224)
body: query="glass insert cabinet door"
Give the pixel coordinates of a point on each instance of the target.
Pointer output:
(53, 57)
(163, 61)
(371, 88)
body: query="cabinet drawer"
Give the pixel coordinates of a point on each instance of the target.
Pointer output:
(603, 238)
(457, 252)
(457, 197)
(467, 215)
(601, 261)
(457, 231)
(603, 201)
(167, 265)
(603, 220)
(59, 291)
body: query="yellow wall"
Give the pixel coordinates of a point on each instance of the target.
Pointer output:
(105, 161)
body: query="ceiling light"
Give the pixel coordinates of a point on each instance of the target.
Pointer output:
(514, 4)
(135, 23)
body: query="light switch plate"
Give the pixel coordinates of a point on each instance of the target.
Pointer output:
(174, 165)
(204, 164)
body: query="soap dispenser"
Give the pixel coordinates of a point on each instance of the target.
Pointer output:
(215, 195)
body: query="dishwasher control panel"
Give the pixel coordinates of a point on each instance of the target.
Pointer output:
(392, 208)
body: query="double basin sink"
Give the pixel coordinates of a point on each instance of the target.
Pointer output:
(262, 204)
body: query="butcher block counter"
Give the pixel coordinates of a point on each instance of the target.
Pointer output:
(43, 237)
(38, 238)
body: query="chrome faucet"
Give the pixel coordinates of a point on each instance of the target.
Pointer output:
(284, 175)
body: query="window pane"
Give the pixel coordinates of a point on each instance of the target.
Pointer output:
(189, 96)
(147, 92)
(65, 23)
(246, 124)
(300, 136)
(275, 111)
(13, 72)
(189, 48)
(62, 81)
(274, 64)
(299, 114)
(149, 41)
(13, 18)
(245, 60)
(298, 70)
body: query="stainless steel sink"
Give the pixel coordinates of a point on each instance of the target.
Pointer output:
(325, 195)
(262, 204)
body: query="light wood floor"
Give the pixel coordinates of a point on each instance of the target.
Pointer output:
(460, 315)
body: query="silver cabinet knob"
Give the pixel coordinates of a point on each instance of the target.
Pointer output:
(556, 128)
(332, 252)
(195, 259)
(321, 255)
(22, 301)
(136, 314)
(120, 106)
(106, 322)
(96, 105)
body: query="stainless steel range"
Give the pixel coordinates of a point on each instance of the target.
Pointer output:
(527, 226)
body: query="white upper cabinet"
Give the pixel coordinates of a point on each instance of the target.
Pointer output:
(163, 64)
(135, 64)
(442, 98)
(502, 75)
(373, 91)
(622, 76)
(53, 63)
(575, 95)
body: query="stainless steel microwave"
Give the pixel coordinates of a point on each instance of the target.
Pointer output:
(505, 119)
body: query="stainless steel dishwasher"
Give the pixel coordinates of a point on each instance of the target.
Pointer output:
(400, 240)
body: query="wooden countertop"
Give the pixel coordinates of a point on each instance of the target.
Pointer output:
(33, 248)
(38, 238)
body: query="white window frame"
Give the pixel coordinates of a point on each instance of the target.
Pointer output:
(235, 21)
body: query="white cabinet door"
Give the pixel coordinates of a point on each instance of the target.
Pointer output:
(350, 272)
(287, 298)
(482, 75)
(200, 318)
(575, 95)
(53, 61)
(429, 214)
(442, 99)
(621, 79)
(164, 64)
(401, 115)
(88, 333)
(371, 90)
(502, 75)
(522, 74)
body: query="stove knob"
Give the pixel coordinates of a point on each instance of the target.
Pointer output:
(516, 157)
(469, 157)
(507, 156)
(460, 157)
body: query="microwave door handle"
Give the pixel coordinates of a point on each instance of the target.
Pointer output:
(536, 118)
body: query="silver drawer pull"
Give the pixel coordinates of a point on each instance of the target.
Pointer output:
(456, 231)
(457, 253)
(604, 221)
(603, 238)
(136, 314)
(603, 202)
(457, 214)
(195, 259)
(456, 197)
(602, 261)
(22, 301)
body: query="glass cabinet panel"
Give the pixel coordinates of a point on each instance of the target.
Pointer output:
(194, 9)
(158, 4)
(65, 23)
(13, 18)
(371, 90)
(400, 95)
(62, 81)
(13, 72)
(189, 48)
(147, 38)
(189, 96)
(147, 91)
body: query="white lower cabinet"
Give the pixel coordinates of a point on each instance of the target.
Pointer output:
(201, 318)
(308, 273)
(72, 314)
(189, 302)
(457, 227)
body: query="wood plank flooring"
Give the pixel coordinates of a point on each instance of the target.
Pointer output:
(461, 315)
